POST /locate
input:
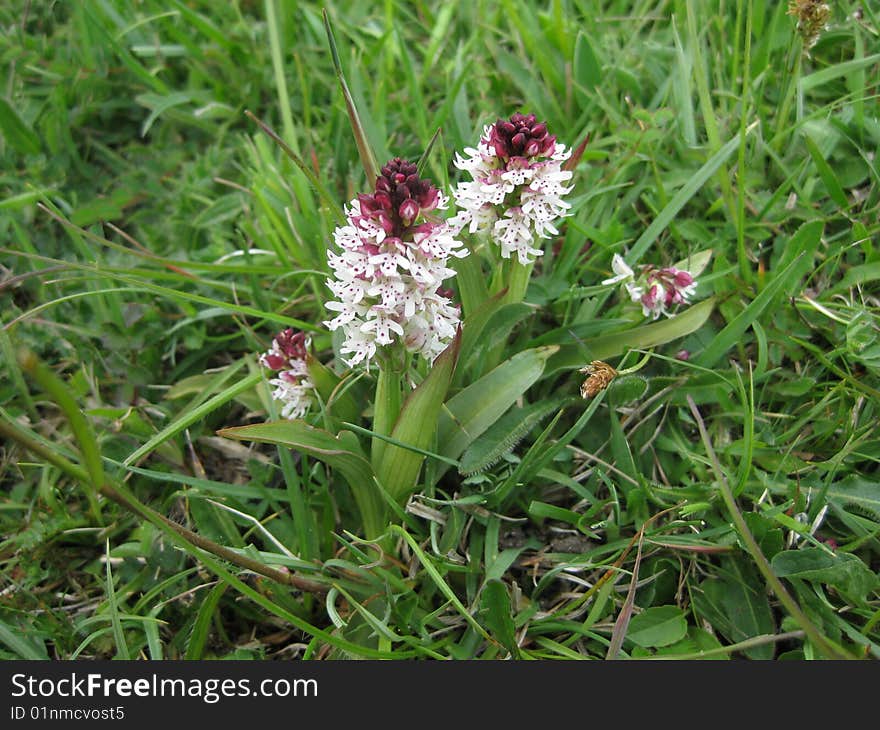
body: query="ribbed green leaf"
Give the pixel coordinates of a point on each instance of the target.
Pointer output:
(495, 331)
(471, 411)
(504, 435)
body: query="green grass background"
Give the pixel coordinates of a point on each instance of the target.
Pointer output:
(153, 240)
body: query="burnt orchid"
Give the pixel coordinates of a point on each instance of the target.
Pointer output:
(657, 289)
(293, 386)
(391, 264)
(517, 186)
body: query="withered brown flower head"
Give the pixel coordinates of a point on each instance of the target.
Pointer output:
(812, 17)
(600, 374)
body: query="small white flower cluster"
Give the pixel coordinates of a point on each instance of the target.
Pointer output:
(390, 268)
(293, 385)
(517, 187)
(657, 290)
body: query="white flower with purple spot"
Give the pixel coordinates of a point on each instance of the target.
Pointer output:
(391, 264)
(293, 385)
(517, 186)
(657, 290)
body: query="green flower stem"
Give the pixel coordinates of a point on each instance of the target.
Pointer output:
(517, 281)
(386, 409)
(470, 280)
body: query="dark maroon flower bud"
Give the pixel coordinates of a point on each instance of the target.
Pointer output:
(274, 362)
(408, 210)
(292, 344)
(380, 201)
(287, 346)
(521, 136)
(400, 196)
(683, 278)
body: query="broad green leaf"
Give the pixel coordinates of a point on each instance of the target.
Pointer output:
(471, 411)
(504, 435)
(214, 523)
(475, 323)
(576, 355)
(695, 264)
(695, 645)
(737, 607)
(587, 68)
(16, 132)
(844, 571)
(856, 491)
(158, 104)
(496, 611)
(657, 626)
(856, 276)
(496, 330)
(416, 425)
(830, 73)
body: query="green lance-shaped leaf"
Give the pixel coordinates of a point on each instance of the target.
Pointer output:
(475, 323)
(496, 331)
(341, 453)
(471, 411)
(576, 355)
(495, 610)
(417, 424)
(844, 571)
(503, 436)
